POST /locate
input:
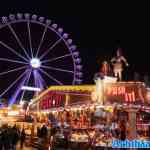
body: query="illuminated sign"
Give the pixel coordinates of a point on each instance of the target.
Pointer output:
(52, 100)
(58, 99)
(28, 88)
(124, 92)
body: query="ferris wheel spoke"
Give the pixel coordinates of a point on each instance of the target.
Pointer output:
(42, 81)
(18, 40)
(35, 74)
(39, 83)
(13, 83)
(56, 58)
(11, 60)
(58, 69)
(30, 40)
(38, 80)
(41, 41)
(22, 96)
(13, 70)
(12, 50)
(48, 50)
(52, 78)
(27, 81)
(18, 90)
(28, 77)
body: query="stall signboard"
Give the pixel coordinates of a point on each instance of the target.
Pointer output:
(59, 99)
(129, 92)
(52, 100)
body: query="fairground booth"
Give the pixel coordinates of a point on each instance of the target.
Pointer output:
(102, 107)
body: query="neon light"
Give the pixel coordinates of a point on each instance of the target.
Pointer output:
(115, 91)
(52, 100)
(129, 96)
(30, 88)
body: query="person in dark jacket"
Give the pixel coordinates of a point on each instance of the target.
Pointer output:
(22, 138)
(38, 132)
(5, 140)
(44, 131)
(15, 138)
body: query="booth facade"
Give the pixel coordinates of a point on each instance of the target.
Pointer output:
(88, 107)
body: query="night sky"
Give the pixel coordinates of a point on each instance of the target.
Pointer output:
(97, 30)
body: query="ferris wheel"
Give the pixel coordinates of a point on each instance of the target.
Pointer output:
(35, 52)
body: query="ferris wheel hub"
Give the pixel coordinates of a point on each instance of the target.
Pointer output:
(35, 63)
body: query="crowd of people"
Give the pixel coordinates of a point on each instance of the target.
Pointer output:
(10, 136)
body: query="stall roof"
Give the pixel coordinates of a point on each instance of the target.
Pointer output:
(72, 88)
(65, 88)
(80, 88)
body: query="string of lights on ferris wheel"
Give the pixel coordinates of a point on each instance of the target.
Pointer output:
(36, 63)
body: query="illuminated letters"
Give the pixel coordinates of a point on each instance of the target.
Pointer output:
(127, 94)
(53, 100)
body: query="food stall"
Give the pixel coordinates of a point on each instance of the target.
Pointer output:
(89, 110)
(74, 105)
(11, 115)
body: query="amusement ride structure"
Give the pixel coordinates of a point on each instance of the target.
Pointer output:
(35, 53)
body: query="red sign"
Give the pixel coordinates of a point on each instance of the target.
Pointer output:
(51, 100)
(129, 96)
(58, 99)
(127, 92)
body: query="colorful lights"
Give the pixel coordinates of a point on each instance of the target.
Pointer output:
(13, 113)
